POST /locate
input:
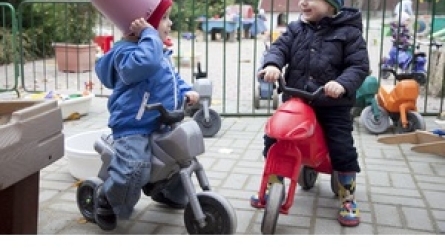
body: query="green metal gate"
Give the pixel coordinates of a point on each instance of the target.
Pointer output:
(8, 49)
(229, 56)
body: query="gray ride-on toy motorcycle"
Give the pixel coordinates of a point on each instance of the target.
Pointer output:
(174, 156)
(209, 120)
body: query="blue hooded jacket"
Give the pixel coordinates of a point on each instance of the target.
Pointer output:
(139, 73)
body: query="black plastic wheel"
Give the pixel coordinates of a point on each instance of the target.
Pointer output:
(356, 111)
(272, 209)
(420, 78)
(334, 182)
(373, 125)
(307, 178)
(385, 74)
(212, 126)
(275, 100)
(256, 98)
(220, 215)
(85, 197)
(415, 122)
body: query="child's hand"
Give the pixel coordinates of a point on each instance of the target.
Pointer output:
(193, 97)
(270, 74)
(334, 89)
(138, 25)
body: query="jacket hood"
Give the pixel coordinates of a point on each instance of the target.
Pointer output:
(348, 16)
(105, 66)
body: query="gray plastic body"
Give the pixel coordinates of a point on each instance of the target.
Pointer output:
(170, 150)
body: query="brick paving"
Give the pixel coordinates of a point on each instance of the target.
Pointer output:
(399, 191)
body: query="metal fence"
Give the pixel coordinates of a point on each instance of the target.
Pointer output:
(229, 51)
(8, 49)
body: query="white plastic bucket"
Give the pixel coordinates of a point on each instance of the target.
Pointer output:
(83, 161)
(123, 12)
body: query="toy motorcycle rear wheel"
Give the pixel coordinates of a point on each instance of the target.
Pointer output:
(307, 178)
(212, 126)
(385, 74)
(256, 98)
(85, 197)
(334, 182)
(272, 209)
(275, 100)
(373, 125)
(415, 122)
(220, 215)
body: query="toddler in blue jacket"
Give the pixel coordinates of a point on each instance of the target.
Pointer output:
(139, 71)
(325, 47)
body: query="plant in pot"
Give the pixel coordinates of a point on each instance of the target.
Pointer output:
(73, 36)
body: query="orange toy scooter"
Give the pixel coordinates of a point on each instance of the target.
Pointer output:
(397, 103)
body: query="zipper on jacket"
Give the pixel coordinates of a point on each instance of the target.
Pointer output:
(175, 85)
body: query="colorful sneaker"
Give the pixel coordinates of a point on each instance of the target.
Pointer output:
(348, 214)
(255, 199)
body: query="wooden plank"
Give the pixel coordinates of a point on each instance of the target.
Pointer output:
(417, 137)
(437, 148)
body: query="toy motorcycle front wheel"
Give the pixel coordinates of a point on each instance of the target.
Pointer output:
(85, 197)
(415, 122)
(372, 124)
(220, 215)
(272, 209)
(208, 127)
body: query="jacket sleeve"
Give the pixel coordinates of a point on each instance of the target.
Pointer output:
(279, 51)
(182, 85)
(356, 61)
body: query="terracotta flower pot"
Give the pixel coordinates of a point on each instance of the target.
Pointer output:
(75, 57)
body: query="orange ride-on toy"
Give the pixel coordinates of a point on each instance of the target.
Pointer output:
(397, 103)
(299, 154)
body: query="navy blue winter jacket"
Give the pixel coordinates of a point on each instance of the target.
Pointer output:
(331, 50)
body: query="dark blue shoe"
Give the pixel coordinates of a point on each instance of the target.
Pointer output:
(160, 197)
(103, 212)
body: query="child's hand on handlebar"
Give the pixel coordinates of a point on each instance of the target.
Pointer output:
(192, 97)
(270, 74)
(334, 89)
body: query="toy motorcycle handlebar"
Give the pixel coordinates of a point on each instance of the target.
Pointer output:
(169, 117)
(309, 96)
(401, 76)
(429, 43)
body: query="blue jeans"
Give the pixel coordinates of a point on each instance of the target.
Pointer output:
(129, 171)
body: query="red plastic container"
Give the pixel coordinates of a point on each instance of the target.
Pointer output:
(104, 42)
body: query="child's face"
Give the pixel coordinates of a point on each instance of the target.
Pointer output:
(165, 25)
(315, 10)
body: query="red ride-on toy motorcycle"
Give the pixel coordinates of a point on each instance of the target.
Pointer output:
(299, 154)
